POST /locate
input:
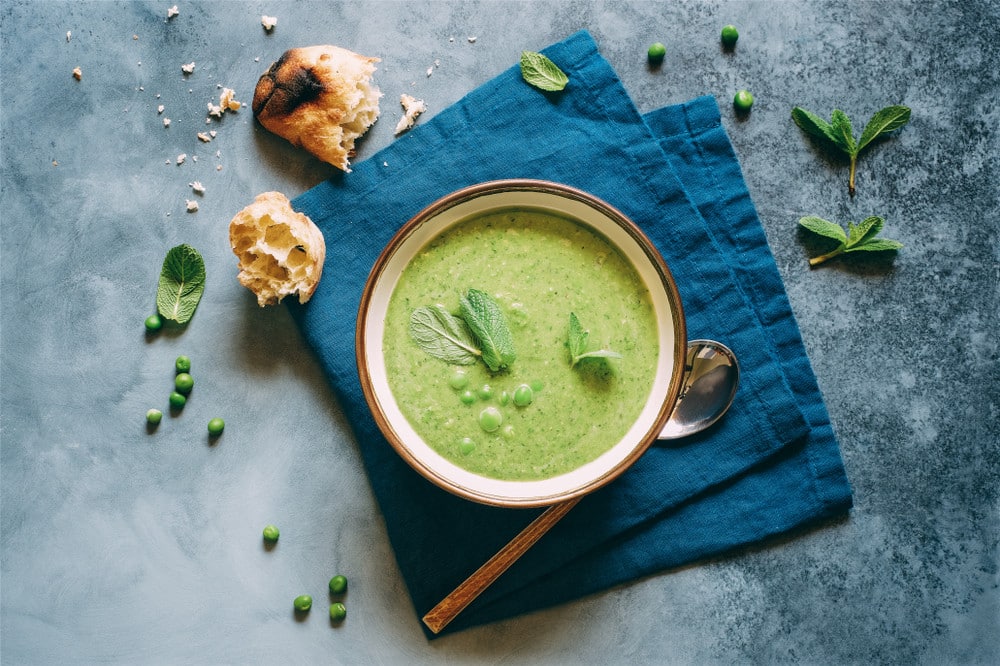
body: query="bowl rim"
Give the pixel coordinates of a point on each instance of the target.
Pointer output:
(463, 195)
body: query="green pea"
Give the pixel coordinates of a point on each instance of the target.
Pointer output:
(743, 100)
(183, 382)
(458, 380)
(338, 584)
(490, 419)
(303, 603)
(466, 446)
(183, 364)
(485, 392)
(507, 432)
(656, 53)
(153, 323)
(467, 397)
(154, 416)
(177, 400)
(216, 426)
(523, 395)
(271, 533)
(729, 35)
(338, 612)
(504, 398)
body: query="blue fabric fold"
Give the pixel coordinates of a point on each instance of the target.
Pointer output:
(770, 466)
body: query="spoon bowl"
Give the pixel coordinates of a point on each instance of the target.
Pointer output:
(711, 375)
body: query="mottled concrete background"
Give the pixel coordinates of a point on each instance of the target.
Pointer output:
(121, 546)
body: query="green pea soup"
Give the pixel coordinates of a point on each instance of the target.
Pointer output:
(542, 416)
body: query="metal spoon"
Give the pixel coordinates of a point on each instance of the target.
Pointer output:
(707, 391)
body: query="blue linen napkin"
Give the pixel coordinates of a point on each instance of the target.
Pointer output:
(770, 466)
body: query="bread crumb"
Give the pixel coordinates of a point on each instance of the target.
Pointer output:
(212, 133)
(181, 158)
(472, 40)
(68, 35)
(430, 70)
(197, 187)
(192, 206)
(77, 73)
(227, 100)
(55, 163)
(204, 137)
(135, 38)
(412, 107)
(159, 109)
(166, 122)
(268, 22)
(172, 12)
(188, 68)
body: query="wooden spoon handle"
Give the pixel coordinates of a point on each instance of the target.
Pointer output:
(448, 609)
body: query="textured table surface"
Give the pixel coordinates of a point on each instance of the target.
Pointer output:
(125, 546)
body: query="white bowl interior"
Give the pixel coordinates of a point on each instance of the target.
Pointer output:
(526, 493)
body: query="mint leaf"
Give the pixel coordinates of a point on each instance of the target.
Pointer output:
(182, 282)
(813, 124)
(541, 72)
(824, 228)
(888, 119)
(839, 131)
(489, 327)
(443, 335)
(577, 343)
(859, 237)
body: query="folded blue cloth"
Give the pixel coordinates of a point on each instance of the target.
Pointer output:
(771, 465)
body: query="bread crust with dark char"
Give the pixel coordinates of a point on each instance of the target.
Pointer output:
(320, 98)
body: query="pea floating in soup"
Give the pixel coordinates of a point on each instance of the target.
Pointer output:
(541, 415)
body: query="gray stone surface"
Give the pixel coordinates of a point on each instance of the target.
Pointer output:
(124, 546)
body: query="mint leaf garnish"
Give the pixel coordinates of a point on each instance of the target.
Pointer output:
(489, 326)
(443, 335)
(839, 134)
(861, 237)
(541, 72)
(578, 340)
(182, 282)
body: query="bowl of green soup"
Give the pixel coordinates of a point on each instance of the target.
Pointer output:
(520, 343)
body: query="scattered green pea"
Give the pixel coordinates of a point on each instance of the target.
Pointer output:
(338, 612)
(743, 100)
(467, 397)
(523, 395)
(338, 584)
(271, 533)
(183, 364)
(216, 426)
(177, 400)
(154, 416)
(183, 382)
(729, 35)
(485, 392)
(466, 446)
(656, 53)
(153, 323)
(490, 419)
(303, 603)
(504, 398)
(458, 380)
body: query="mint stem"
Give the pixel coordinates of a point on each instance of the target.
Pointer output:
(823, 257)
(850, 182)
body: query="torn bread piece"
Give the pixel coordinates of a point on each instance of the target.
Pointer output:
(320, 98)
(412, 107)
(280, 251)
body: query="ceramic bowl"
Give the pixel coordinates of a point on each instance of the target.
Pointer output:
(567, 202)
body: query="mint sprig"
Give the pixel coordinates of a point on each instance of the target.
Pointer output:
(541, 72)
(859, 237)
(479, 331)
(181, 284)
(578, 341)
(839, 134)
